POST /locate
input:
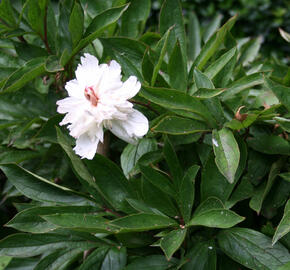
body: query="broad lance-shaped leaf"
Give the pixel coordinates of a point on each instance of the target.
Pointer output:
(262, 190)
(29, 220)
(282, 92)
(187, 192)
(40, 189)
(211, 213)
(27, 245)
(178, 102)
(201, 256)
(193, 36)
(284, 225)
(176, 125)
(142, 222)
(252, 249)
(95, 259)
(227, 153)
(172, 241)
(97, 26)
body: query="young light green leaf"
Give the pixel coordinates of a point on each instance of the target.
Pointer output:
(250, 50)
(227, 153)
(284, 225)
(284, 35)
(214, 24)
(252, 249)
(172, 241)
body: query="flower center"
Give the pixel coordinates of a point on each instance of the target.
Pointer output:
(91, 95)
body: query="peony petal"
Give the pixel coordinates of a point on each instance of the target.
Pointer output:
(130, 88)
(85, 147)
(136, 126)
(74, 89)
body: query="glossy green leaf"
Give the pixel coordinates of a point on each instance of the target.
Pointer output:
(284, 225)
(171, 15)
(187, 192)
(210, 214)
(193, 36)
(202, 256)
(204, 93)
(95, 259)
(142, 222)
(227, 153)
(29, 220)
(93, 223)
(287, 265)
(177, 80)
(213, 25)
(40, 189)
(115, 259)
(152, 262)
(261, 192)
(250, 51)
(245, 82)
(252, 249)
(132, 153)
(76, 23)
(29, 71)
(98, 25)
(176, 125)
(201, 80)
(270, 144)
(171, 242)
(178, 102)
(212, 70)
(27, 245)
(213, 44)
(59, 260)
(281, 92)
(4, 261)
(29, 51)
(134, 18)
(6, 13)
(284, 123)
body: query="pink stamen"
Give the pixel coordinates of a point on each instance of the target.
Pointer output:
(91, 96)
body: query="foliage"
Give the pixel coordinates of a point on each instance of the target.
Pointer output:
(208, 188)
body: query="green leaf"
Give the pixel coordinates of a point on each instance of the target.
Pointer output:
(227, 153)
(250, 50)
(204, 93)
(7, 13)
(59, 260)
(29, 220)
(202, 256)
(211, 28)
(173, 162)
(177, 78)
(285, 176)
(281, 92)
(110, 181)
(287, 265)
(22, 263)
(98, 25)
(27, 245)
(210, 214)
(284, 35)
(252, 249)
(176, 125)
(187, 192)
(16, 156)
(132, 153)
(4, 261)
(158, 180)
(115, 259)
(76, 23)
(29, 71)
(245, 82)
(171, 242)
(93, 223)
(261, 192)
(152, 262)
(213, 44)
(212, 70)
(201, 80)
(178, 102)
(79, 168)
(29, 51)
(284, 225)
(142, 222)
(193, 36)
(284, 123)
(270, 144)
(134, 18)
(38, 188)
(171, 15)
(95, 259)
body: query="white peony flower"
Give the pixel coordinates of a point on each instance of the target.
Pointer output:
(99, 99)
